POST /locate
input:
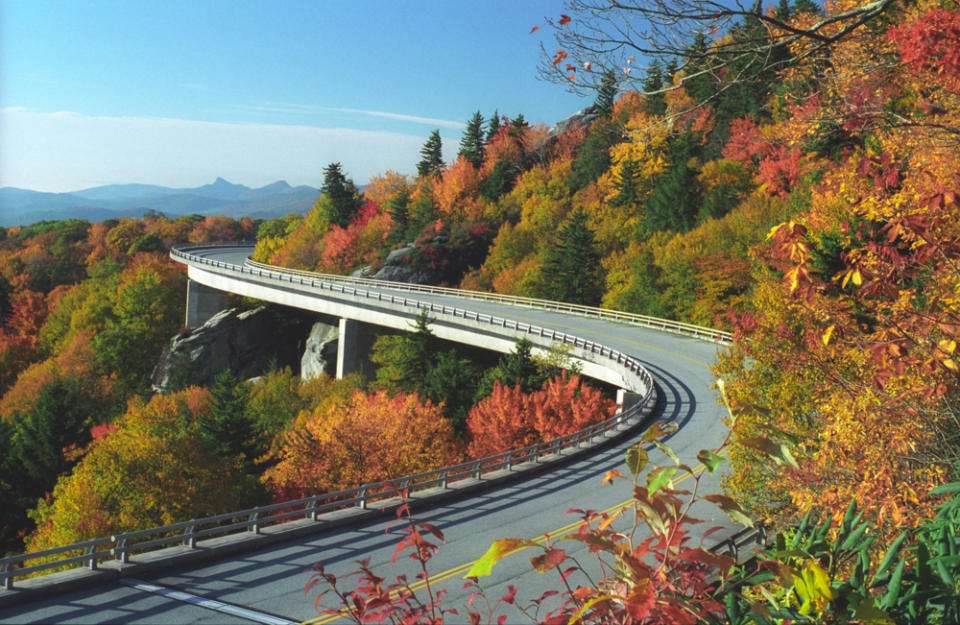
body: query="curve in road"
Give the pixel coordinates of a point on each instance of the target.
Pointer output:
(268, 585)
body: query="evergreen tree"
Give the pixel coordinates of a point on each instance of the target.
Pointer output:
(471, 144)
(572, 266)
(229, 429)
(423, 212)
(626, 181)
(399, 208)
(654, 103)
(340, 196)
(517, 367)
(33, 451)
(606, 94)
(493, 126)
(413, 362)
(593, 158)
(675, 201)
(431, 161)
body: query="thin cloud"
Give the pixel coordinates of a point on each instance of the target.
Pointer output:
(306, 108)
(64, 151)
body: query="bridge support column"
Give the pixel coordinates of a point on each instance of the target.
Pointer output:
(353, 347)
(627, 399)
(203, 302)
(347, 347)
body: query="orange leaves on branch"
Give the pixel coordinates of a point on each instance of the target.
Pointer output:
(510, 418)
(780, 170)
(559, 57)
(342, 445)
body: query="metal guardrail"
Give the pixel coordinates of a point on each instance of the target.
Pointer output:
(122, 546)
(656, 323)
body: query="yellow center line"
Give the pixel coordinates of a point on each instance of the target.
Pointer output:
(463, 568)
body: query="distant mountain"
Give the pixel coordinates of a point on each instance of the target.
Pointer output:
(22, 206)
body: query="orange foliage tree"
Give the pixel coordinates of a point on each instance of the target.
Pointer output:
(510, 418)
(342, 445)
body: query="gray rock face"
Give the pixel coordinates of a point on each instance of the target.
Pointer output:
(247, 343)
(583, 117)
(320, 354)
(396, 269)
(402, 273)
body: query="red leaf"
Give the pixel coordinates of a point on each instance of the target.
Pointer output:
(533, 30)
(564, 19)
(559, 56)
(549, 560)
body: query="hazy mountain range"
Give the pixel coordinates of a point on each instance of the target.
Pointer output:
(22, 206)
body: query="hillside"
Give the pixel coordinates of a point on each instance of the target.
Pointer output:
(803, 193)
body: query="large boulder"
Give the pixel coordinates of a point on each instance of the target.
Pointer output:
(247, 343)
(320, 354)
(396, 269)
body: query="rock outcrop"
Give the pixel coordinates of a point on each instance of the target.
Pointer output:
(396, 269)
(320, 353)
(248, 343)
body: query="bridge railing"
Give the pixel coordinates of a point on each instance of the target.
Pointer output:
(122, 547)
(665, 325)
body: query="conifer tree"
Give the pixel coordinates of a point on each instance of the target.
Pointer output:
(493, 126)
(229, 429)
(517, 367)
(472, 144)
(675, 201)
(572, 266)
(431, 161)
(606, 94)
(399, 208)
(340, 196)
(654, 103)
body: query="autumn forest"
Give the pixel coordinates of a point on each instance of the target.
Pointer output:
(803, 194)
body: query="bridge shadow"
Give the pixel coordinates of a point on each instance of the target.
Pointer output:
(677, 404)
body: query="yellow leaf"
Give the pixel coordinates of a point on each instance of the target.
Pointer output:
(947, 345)
(857, 278)
(826, 335)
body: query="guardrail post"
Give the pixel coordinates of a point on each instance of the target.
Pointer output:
(254, 521)
(443, 479)
(120, 551)
(91, 562)
(476, 471)
(190, 535)
(732, 548)
(362, 493)
(7, 574)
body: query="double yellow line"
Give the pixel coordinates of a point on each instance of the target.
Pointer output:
(615, 509)
(463, 568)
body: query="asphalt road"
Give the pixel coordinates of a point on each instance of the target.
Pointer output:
(271, 584)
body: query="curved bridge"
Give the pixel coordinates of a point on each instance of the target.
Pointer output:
(662, 366)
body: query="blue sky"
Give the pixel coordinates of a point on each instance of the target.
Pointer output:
(178, 93)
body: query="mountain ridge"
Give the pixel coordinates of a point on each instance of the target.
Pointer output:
(24, 206)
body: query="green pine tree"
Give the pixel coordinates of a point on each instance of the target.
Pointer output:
(493, 126)
(229, 429)
(675, 201)
(571, 269)
(431, 161)
(471, 144)
(399, 208)
(654, 103)
(517, 367)
(606, 94)
(340, 196)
